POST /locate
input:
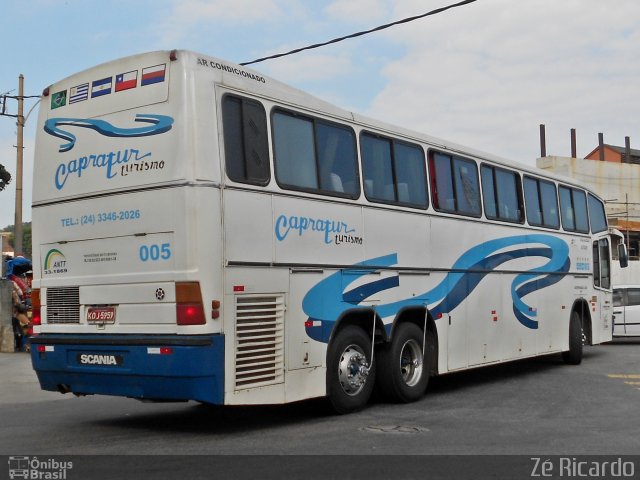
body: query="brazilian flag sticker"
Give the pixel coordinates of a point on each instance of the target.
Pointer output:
(59, 99)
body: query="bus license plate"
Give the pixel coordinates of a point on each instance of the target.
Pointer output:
(101, 315)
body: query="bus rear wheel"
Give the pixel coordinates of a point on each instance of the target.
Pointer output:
(403, 368)
(350, 370)
(574, 355)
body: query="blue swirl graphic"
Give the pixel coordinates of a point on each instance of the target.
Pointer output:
(158, 124)
(327, 300)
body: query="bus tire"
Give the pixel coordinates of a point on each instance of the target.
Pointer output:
(350, 370)
(574, 355)
(403, 370)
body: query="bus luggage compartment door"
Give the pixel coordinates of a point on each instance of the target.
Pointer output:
(302, 350)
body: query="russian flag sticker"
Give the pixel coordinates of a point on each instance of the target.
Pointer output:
(155, 74)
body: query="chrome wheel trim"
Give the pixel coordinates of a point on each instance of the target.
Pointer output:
(411, 362)
(353, 370)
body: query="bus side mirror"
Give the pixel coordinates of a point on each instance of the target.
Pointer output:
(623, 255)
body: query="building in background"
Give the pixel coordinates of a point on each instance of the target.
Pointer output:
(4, 241)
(615, 154)
(616, 179)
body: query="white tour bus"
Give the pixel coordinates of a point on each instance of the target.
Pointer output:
(203, 232)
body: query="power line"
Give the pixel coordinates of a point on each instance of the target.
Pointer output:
(17, 97)
(3, 103)
(364, 32)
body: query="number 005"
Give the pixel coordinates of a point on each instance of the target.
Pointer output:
(155, 252)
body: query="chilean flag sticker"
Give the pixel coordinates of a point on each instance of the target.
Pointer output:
(125, 81)
(155, 74)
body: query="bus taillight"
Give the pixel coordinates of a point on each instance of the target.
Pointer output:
(36, 319)
(189, 309)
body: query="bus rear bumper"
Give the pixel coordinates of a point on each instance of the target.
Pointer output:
(146, 367)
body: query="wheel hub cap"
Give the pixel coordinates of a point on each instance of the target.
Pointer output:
(411, 362)
(353, 370)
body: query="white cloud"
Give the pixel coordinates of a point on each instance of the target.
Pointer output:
(187, 15)
(487, 74)
(237, 11)
(314, 67)
(358, 11)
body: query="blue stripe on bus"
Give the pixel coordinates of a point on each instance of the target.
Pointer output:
(368, 289)
(189, 372)
(157, 124)
(325, 302)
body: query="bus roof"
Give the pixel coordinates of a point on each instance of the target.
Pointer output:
(85, 97)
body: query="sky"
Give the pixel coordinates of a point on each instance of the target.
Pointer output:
(485, 75)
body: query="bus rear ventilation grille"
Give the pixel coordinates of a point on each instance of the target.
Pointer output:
(259, 340)
(63, 305)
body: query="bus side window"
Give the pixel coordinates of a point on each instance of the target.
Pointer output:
(549, 198)
(246, 147)
(566, 209)
(455, 184)
(541, 203)
(597, 215)
(294, 151)
(573, 209)
(605, 267)
(467, 186)
(442, 182)
(337, 159)
(601, 264)
(509, 204)
(596, 264)
(315, 156)
(502, 194)
(489, 192)
(580, 209)
(394, 171)
(410, 172)
(377, 167)
(532, 201)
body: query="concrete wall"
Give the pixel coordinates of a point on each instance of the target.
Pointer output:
(6, 311)
(609, 180)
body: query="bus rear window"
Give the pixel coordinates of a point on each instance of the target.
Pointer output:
(246, 146)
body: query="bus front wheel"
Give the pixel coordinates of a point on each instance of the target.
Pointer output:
(403, 367)
(574, 355)
(350, 370)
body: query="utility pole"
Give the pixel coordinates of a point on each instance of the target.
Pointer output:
(17, 234)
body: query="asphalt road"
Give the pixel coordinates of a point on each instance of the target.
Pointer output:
(530, 407)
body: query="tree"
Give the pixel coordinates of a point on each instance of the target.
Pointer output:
(5, 177)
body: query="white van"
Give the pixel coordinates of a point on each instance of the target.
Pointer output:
(626, 310)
